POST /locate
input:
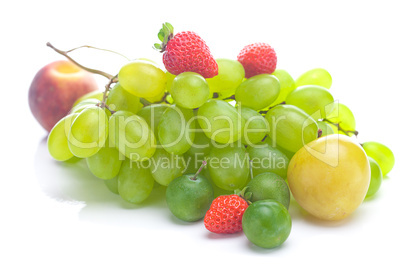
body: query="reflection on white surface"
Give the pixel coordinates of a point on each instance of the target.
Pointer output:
(72, 183)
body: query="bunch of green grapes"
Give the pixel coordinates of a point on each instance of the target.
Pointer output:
(152, 127)
(107, 131)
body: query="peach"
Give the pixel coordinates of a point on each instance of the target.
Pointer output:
(54, 90)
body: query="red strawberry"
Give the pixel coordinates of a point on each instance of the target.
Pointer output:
(225, 214)
(185, 52)
(258, 58)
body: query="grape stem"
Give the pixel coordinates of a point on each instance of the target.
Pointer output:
(354, 132)
(147, 103)
(104, 105)
(103, 49)
(204, 163)
(110, 110)
(229, 98)
(319, 134)
(266, 111)
(112, 78)
(105, 95)
(94, 71)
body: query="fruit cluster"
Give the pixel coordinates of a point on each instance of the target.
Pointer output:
(240, 131)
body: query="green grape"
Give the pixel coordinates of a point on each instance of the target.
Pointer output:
(189, 90)
(165, 166)
(229, 166)
(152, 115)
(142, 79)
(73, 160)
(202, 144)
(57, 142)
(230, 75)
(270, 142)
(287, 85)
(290, 127)
(79, 107)
(131, 135)
(87, 101)
(381, 154)
(106, 163)
(325, 128)
(97, 95)
(258, 92)
(343, 116)
(112, 185)
(87, 104)
(255, 127)
(89, 132)
(317, 76)
(220, 121)
(267, 223)
(121, 100)
(169, 80)
(135, 181)
(265, 158)
(169, 99)
(174, 130)
(314, 100)
(268, 185)
(217, 190)
(157, 98)
(375, 178)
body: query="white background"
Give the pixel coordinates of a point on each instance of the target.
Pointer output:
(56, 215)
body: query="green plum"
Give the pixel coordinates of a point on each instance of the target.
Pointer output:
(229, 166)
(269, 185)
(267, 223)
(189, 196)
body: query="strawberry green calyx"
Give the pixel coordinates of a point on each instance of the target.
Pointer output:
(164, 35)
(242, 193)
